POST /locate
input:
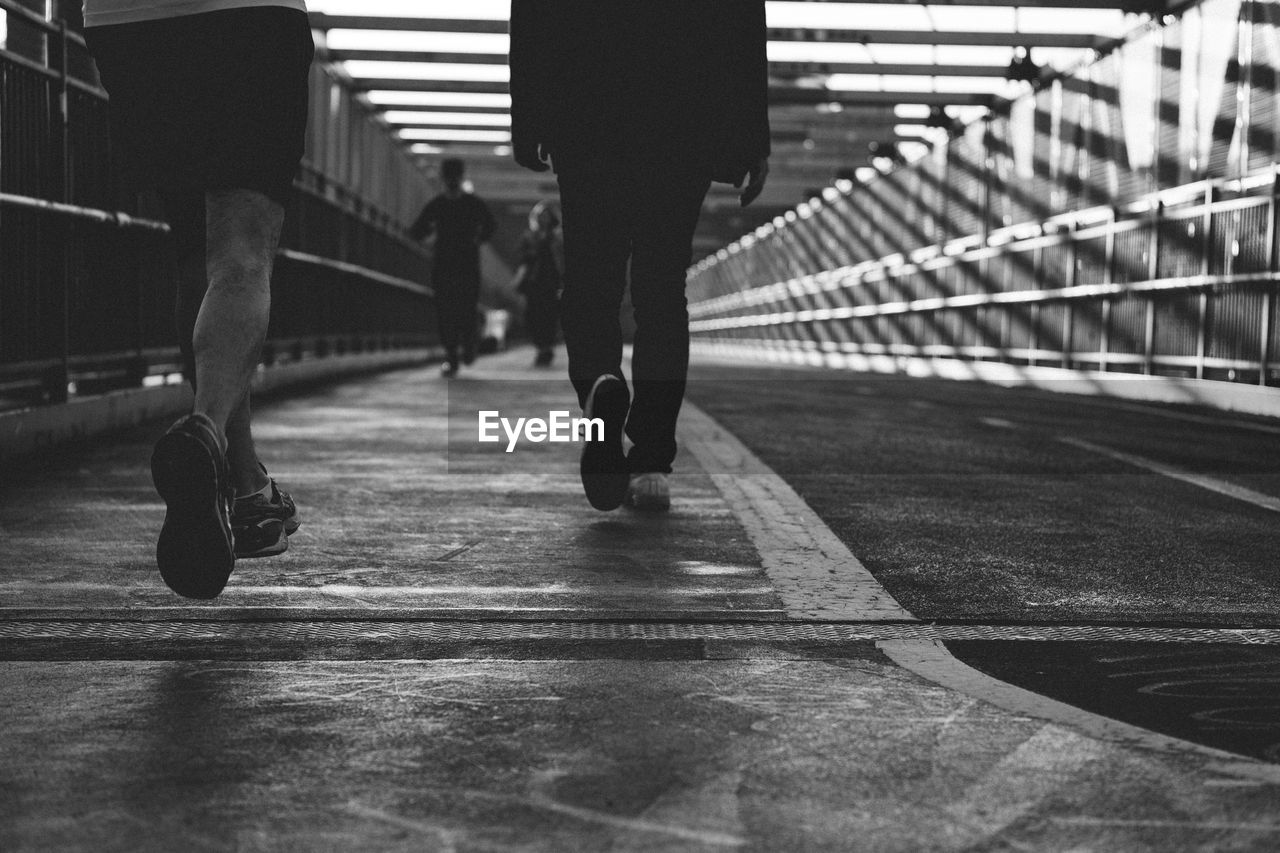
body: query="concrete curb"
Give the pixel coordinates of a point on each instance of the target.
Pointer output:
(815, 574)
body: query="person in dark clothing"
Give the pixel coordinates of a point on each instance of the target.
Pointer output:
(639, 107)
(460, 222)
(539, 279)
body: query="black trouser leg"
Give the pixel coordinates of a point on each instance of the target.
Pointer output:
(615, 212)
(541, 315)
(468, 321)
(456, 316)
(447, 325)
(663, 244)
(597, 216)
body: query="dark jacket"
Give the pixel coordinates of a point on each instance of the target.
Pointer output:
(460, 224)
(681, 81)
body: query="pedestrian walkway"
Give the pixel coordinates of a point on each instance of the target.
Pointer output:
(457, 653)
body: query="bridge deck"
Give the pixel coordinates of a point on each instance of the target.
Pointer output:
(457, 653)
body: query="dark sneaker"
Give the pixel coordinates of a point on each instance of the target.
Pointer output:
(195, 552)
(261, 525)
(604, 464)
(649, 492)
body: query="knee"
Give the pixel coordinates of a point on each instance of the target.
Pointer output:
(242, 231)
(657, 308)
(583, 303)
(241, 272)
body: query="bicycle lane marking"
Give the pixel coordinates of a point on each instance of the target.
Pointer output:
(1212, 484)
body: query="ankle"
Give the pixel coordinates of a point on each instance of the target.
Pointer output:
(218, 430)
(249, 479)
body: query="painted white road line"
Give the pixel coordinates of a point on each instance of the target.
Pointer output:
(998, 423)
(1189, 417)
(1212, 484)
(816, 576)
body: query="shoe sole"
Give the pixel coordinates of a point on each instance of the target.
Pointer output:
(195, 551)
(279, 546)
(645, 504)
(289, 526)
(604, 466)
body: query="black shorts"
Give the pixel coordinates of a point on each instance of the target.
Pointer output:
(210, 101)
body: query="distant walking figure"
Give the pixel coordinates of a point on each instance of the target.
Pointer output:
(638, 106)
(460, 222)
(539, 279)
(209, 106)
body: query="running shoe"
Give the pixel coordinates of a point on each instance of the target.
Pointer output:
(649, 492)
(262, 525)
(195, 551)
(604, 464)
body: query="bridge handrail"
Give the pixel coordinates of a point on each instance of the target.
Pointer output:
(85, 298)
(1192, 292)
(1055, 231)
(116, 218)
(122, 220)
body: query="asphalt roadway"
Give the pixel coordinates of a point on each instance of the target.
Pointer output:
(884, 614)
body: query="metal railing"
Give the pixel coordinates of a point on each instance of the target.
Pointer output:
(86, 299)
(1104, 222)
(1180, 283)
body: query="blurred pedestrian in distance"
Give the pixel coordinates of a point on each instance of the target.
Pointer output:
(209, 107)
(638, 106)
(539, 279)
(461, 222)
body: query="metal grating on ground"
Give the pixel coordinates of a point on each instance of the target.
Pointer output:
(321, 640)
